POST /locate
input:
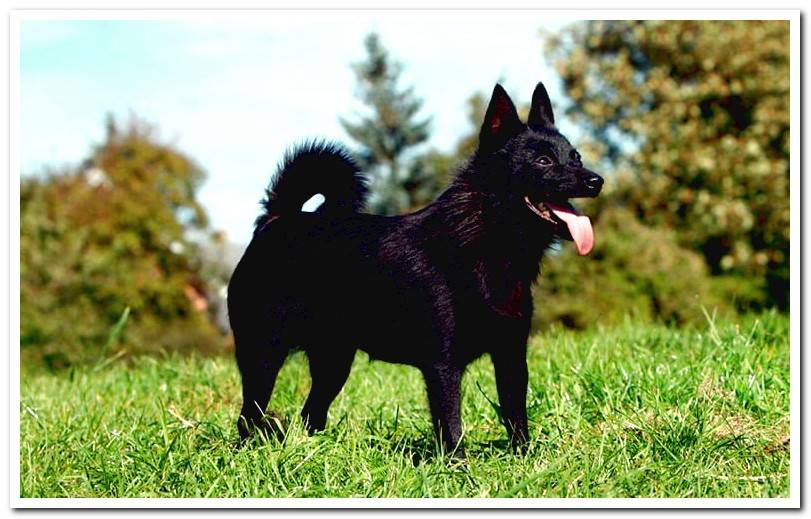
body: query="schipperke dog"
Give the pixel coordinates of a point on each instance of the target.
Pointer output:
(434, 289)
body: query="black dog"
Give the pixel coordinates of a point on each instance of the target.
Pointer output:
(434, 289)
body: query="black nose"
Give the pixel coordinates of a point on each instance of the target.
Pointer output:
(594, 183)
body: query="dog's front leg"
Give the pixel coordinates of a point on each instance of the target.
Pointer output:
(511, 381)
(443, 381)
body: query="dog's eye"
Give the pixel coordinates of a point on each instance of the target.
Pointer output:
(544, 161)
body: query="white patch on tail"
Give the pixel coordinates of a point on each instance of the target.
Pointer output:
(311, 205)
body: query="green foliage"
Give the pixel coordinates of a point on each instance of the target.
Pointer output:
(434, 170)
(629, 411)
(476, 108)
(693, 117)
(633, 269)
(108, 236)
(389, 132)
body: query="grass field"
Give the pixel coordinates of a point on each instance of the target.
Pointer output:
(634, 410)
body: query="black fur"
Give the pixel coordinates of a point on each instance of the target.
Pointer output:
(315, 167)
(433, 289)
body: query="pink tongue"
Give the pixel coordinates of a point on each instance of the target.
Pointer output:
(579, 227)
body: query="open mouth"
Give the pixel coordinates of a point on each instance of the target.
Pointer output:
(570, 223)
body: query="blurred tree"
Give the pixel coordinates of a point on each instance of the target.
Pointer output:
(388, 133)
(437, 167)
(630, 272)
(108, 236)
(694, 117)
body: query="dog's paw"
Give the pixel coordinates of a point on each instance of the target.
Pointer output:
(271, 426)
(274, 425)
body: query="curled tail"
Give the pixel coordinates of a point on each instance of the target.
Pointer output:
(313, 168)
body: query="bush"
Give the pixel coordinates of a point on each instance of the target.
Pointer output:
(633, 270)
(107, 236)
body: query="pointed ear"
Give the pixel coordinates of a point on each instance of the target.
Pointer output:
(540, 114)
(501, 120)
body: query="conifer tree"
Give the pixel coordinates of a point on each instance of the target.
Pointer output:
(389, 130)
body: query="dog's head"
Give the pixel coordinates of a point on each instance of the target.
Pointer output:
(538, 168)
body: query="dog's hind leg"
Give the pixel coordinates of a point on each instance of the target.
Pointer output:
(329, 370)
(259, 361)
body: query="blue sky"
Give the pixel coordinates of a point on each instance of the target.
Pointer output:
(235, 91)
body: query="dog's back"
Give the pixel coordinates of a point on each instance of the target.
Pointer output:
(319, 281)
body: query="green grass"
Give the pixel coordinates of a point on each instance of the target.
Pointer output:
(634, 410)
